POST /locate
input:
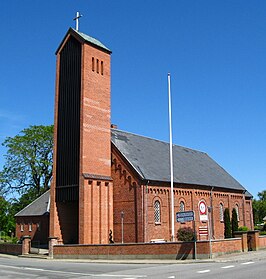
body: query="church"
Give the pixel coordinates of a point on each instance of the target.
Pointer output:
(114, 186)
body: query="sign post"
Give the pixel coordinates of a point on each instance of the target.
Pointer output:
(187, 216)
(184, 216)
(122, 226)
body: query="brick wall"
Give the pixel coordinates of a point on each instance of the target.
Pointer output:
(37, 227)
(95, 113)
(262, 242)
(137, 202)
(11, 249)
(126, 251)
(95, 195)
(91, 220)
(175, 250)
(97, 211)
(226, 246)
(126, 198)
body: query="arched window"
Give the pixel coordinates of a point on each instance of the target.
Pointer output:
(182, 206)
(237, 212)
(157, 212)
(221, 212)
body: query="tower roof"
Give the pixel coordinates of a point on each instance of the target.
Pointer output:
(84, 39)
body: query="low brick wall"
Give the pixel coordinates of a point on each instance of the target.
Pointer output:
(175, 250)
(226, 246)
(262, 242)
(11, 249)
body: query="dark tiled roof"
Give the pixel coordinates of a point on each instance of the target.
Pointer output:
(150, 159)
(38, 207)
(248, 195)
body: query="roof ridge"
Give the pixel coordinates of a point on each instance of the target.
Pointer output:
(162, 141)
(91, 39)
(31, 203)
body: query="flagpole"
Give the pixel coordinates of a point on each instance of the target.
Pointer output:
(171, 161)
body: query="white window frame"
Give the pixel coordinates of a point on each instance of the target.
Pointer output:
(157, 212)
(237, 212)
(182, 206)
(221, 212)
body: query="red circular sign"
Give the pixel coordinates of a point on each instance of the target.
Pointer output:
(202, 207)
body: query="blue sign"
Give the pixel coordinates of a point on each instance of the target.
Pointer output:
(184, 216)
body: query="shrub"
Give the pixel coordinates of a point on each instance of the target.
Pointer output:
(262, 232)
(14, 240)
(185, 234)
(243, 229)
(257, 228)
(227, 224)
(234, 221)
(6, 238)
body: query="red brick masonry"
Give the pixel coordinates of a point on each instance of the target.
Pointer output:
(175, 250)
(11, 249)
(168, 250)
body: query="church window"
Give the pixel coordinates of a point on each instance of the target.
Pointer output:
(102, 67)
(182, 206)
(21, 227)
(221, 212)
(97, 65)
(30, 227)
(92, 64)
(157, 212)
(237, 211)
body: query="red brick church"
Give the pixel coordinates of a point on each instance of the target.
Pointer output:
(107, 180)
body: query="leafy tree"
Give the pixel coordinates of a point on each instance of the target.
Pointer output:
(259, 208)
(7, 221)
(227, 224)
(234, 221)
(262, 195)
(28, 162)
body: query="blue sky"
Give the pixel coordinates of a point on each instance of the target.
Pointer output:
(215, 51)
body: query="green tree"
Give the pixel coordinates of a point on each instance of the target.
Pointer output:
(234, 221)
(227, 224)
(28, 162)
(7, 221)
(259, 208)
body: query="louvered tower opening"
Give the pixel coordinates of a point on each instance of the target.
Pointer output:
(68, 140)
(68, 130)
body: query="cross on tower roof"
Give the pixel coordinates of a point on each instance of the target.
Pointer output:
(78, 15)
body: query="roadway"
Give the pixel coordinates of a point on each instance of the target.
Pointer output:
(235, 267)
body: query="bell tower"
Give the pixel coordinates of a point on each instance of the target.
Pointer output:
(81, 208)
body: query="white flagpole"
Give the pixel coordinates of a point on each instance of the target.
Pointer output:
(171, 162)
